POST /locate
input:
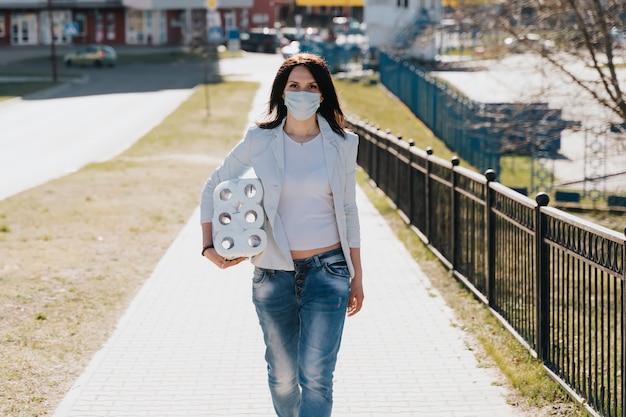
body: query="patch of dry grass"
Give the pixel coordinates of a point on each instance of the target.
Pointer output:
(76, 250)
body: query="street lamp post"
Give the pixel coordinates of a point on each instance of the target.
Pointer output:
(52, 46)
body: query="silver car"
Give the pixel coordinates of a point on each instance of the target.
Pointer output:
(96, 55)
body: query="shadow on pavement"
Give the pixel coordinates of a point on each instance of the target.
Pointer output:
(173, 69)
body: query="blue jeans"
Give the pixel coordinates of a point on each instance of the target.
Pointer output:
(302, 314)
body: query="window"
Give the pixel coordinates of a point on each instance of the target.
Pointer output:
(162, 27)
(81, 21)
(148, 29)
(1, 26)
(15, 30)
(134, 20)
(110, 26)
(99, 27)
(135, 24)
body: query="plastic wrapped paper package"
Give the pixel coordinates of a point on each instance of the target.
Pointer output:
(238, 218)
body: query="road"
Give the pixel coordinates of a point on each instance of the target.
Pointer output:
(51, 134)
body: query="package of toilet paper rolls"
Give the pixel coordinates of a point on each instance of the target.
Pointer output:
(238, 218)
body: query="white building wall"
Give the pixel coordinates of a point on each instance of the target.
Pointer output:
(146, 27)
(385, 18)
(59, 18)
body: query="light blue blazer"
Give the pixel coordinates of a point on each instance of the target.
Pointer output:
(263, 151)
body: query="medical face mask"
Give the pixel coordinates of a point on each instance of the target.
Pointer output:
(302, 104)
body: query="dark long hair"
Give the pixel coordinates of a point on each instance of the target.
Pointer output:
(329, 107)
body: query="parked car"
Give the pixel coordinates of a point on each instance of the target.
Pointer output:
(260, 40)
(290, 50)
(96, 55)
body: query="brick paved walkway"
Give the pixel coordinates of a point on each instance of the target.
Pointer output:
(190, 345)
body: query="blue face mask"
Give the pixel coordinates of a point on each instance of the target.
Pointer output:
(302, 104)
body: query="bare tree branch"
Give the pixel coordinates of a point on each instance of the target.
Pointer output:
(582, 29)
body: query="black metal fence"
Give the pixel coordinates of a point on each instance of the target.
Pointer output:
(555, 280)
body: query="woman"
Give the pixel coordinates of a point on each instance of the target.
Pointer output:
(309, 274)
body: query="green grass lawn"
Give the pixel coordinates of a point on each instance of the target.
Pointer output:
(373, 103)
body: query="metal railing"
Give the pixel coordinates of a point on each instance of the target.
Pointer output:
(554, 280)
(480, 133)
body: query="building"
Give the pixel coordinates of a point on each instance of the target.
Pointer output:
(125, 22)
(406, 26)
(317, 13)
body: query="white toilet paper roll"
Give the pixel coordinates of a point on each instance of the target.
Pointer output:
(226, 194)
(246, 243)
(224, 243)
(250, 190)
(256, 241)
(223, 219)
(251, 216)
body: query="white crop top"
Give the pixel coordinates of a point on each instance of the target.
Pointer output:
(306, 204)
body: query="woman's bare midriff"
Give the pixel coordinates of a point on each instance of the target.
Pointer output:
(302, 254)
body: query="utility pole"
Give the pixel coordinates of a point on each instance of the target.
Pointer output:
(53, 54)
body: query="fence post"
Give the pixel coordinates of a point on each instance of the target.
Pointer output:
(429, 151)
(387, 164)
(542, 280)
(411, 188)
(623, 364)
(490, 237)
(396, 171)
(376, 159)
(453, 209)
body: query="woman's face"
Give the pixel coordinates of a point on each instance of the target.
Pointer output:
(301, 79)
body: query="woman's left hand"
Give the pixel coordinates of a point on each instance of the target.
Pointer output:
(355, 301)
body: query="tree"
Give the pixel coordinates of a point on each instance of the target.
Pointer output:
(568, 32)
